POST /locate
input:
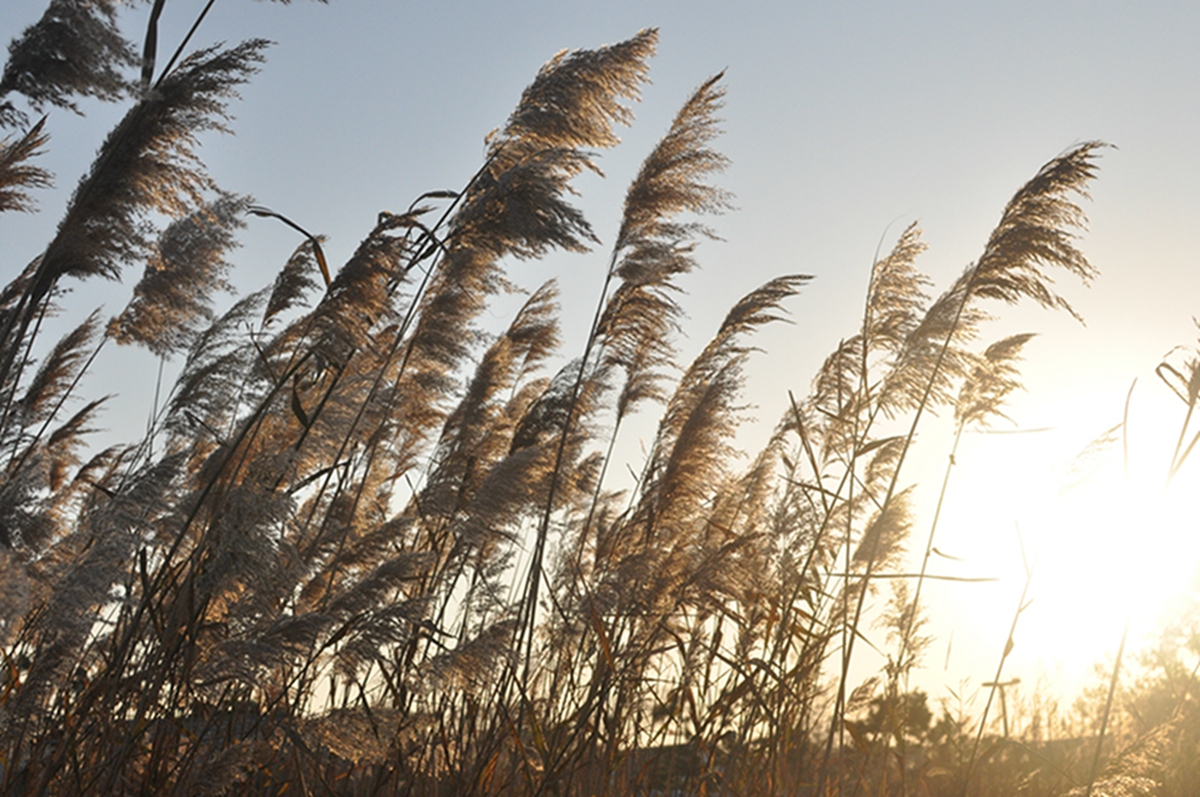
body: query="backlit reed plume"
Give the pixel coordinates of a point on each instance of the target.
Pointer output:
(17, 175)
(652, 249)
(634, 325)
(147, 165)
(74, 50)
(187, 266)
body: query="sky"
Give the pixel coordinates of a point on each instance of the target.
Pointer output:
(844, 122)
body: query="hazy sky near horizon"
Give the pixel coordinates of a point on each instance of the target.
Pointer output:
(844, 122)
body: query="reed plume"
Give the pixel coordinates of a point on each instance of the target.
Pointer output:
(147, 165)
(75, 49)
(187, 266)
(17, 174)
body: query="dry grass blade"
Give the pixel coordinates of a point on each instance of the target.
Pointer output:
(150, 48)
(313, 240)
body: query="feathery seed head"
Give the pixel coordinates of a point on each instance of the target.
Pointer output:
(16, 174)
(186, 267)
(75, 49)
(147, 165)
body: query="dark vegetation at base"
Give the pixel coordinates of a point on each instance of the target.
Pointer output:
(367, 548)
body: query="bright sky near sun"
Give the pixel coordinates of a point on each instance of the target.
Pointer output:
(844, 122)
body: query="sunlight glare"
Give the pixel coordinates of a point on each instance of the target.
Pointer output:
(1107, 543)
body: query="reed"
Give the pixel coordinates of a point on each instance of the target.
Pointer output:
(368, 547)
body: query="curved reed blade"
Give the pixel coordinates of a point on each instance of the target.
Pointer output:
(314, 241)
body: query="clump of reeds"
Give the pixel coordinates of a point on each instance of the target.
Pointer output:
(369, 547)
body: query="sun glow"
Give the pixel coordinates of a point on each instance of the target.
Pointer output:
(1104, 537)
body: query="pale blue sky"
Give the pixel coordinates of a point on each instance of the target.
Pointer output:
(845, 121)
